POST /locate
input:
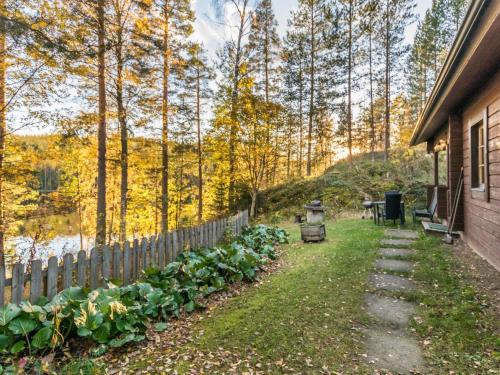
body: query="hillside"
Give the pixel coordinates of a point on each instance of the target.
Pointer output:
(343, 187)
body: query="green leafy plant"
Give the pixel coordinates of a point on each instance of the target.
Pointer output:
(115, 316)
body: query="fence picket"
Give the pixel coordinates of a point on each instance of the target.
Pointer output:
(52, 276)
(36, 281)
(2, 285)
(117, 262)
(161, 251)
(67, 271)
(17, 283)
(135, 259)
(81, 269)
(180, 237)
(168, 248)
(144, 253)
(107, 258)
(152, 252)
(126, 263)
(175, 245)
(94, 268)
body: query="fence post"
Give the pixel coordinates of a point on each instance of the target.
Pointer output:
(17, 283)
(81, 269)
(36, 281)
(52, 272)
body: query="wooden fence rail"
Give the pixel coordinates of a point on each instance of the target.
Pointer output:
(124, 262)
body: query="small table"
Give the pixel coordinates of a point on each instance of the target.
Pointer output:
(376, 212)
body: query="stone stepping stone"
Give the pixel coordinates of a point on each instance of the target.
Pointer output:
(391, 283)
(394, 265)
(397, 242)
(391, 311)
(394, 252)
(393, 352)
(401, 233)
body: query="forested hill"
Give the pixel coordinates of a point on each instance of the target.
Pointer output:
(343, 187)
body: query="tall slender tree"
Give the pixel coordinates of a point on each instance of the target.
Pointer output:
(397, 15)
(101, 132)
(238, 59)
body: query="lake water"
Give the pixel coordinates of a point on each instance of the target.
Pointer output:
(54, 235)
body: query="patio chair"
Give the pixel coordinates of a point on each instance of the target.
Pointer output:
(392, 210)
(429, 211)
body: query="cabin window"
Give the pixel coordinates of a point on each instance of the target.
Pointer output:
(478, 147)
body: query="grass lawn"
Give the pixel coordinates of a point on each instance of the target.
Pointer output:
(307, 317)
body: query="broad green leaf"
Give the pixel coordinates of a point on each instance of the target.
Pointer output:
(22, 326)
(18, 347)
(41, 339)
(160, 327)
(119, 342)
(7, 313)
(99, 350)
(5, 342)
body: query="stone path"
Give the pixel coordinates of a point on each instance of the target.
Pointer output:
(389, 344)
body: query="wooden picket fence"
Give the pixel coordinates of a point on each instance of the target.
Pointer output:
(123, 262)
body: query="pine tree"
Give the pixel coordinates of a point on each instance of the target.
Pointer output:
(264, 50)
(235, 56)
(396, 16)
(310, 21)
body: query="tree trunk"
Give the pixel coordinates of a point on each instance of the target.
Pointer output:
(200, 160)
(101, 133)
(311, 98)
(165, 112)
(123, 130)
(3, 127)
(234, 110)
(372, 114)
(349, 85)
(387, 84)
(301, 119)
(254, 203)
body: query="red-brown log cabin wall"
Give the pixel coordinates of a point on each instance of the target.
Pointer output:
(482, 209)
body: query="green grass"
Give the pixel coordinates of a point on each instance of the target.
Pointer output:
(303, 315)
(457, 323)
(307, 317)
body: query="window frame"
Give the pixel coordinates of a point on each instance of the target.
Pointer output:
(478, 149)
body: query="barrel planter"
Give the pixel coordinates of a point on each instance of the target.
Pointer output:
(312, 232)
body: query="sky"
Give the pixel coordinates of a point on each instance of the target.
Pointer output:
(212, 34)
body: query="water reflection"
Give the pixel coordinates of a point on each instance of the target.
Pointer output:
(41, 238)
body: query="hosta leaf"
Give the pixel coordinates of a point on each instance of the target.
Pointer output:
(22, 326)
(101, 334)
(18, 347)
(5, 342)
(160, 327)
(84, 331)
(119, 342)
(7, 313)
(41, 339)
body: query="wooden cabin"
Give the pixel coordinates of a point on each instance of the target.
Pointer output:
(461, 125)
